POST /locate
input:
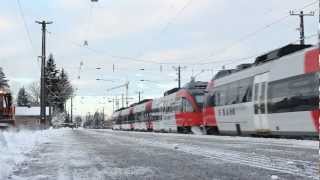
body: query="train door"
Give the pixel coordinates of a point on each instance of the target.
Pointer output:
(260, 102)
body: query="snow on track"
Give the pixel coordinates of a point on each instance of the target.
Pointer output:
(283, 165)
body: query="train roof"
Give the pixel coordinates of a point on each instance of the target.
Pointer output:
(171, 91)
(269, 56)
(280, 52)
(120, 109)
(195, 85)
(141, 102)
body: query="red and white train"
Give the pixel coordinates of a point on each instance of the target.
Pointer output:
(177, 111)
(278, 94)
(7, 110)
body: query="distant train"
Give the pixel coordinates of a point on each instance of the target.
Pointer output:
(278, 94)
(7, 110)
(177, 111)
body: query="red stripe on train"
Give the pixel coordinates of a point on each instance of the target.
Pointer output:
(311, 61)
(209, 118)
(315, 117)
(189, 119)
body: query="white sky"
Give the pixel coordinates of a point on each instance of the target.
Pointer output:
(122, 32)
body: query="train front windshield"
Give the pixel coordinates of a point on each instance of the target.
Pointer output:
(199, 99)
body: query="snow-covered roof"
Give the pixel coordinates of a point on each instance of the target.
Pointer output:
(29, 111)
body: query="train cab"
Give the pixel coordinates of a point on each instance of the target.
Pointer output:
(7, 109)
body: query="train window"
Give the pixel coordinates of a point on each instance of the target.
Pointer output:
(131, 117)
(189, 107)
(199, 98)
(245, 90)
(217, 99)
(256, 90)
(186, 106)
(232, 94)
(210, 100)
(299, 93)
(262, 98)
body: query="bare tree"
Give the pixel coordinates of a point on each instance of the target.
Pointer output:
(34, 91)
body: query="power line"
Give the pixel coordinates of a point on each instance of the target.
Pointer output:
(251, 34)
(89, 23)
(319, 27)
(174, 17)
(25, 24)
(169, 22)
(139, 60)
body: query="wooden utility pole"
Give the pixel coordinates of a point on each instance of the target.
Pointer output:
(43, 61)
(319, 28)
(178, 69)
(301, 14)
(71, 110)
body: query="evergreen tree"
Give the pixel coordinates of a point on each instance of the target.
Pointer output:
(51, 80)
(58, 86)
(23, 98)
(3, 80)
(63, 91)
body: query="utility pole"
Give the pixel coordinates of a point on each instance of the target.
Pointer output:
(319, 30)
(113, 102)
(103, 114)
(301, 15)
(178, 69)
(71, 110)
(42, 86)
(122, 99)
(179, 77)
(139, 95)
(127, 91)
(117, 102)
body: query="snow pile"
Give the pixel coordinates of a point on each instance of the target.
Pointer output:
(58, 119)
(14, 146)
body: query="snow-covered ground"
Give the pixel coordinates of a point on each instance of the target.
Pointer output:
(82, 154)
(14, 146)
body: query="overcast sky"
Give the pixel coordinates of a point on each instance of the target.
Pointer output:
(148, 34)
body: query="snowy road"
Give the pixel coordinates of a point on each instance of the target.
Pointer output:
(105, 154)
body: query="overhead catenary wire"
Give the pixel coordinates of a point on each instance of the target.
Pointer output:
(177, 15)
(29, 39)
(89, 23)
(25, 24)
(167, 25)
(213, 61)
(253, 33)
(138, 60)
(249, 35)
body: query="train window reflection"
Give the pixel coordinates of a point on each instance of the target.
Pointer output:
(299, 93)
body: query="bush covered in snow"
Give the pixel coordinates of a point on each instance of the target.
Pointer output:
(58, 119)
